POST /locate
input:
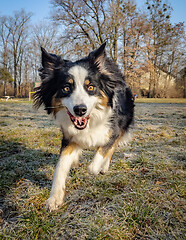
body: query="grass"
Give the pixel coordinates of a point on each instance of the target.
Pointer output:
(141, 197)
(161, 100)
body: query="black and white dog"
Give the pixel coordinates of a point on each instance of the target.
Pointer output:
(93, 106)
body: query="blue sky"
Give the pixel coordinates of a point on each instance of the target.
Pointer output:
(42, 8)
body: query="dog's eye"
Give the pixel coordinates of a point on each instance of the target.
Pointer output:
(66, 89)
(90, 88)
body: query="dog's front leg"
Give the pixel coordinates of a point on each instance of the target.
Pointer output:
(68, 155)
(101, 160)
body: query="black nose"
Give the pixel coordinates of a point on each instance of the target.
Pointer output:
(80, 110)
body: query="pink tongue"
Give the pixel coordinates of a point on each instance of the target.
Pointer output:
(80, 121)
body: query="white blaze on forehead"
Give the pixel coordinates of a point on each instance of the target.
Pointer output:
(79, 94)
(79, 73)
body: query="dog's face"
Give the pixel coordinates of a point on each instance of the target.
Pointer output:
(79, 94)
(73, 86)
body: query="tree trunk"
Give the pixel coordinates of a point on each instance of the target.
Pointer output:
(4, 90)
(15, 79)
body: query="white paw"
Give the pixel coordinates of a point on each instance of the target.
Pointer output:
(94, 169)
(55, 201)
(105, 167)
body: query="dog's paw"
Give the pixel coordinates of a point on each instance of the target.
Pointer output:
(54, 202)
(105, 167)
(94, 169)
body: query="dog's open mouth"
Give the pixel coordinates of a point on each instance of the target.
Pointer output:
(79, 122)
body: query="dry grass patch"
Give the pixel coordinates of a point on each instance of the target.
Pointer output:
(141, 197)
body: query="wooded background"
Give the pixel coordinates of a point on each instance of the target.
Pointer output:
(147, 46)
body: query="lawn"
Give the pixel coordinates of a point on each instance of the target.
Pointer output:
(141, 197)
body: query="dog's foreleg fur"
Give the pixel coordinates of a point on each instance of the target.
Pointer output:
(103, 157)
(107, 157)
(96, 164)
(68, 156)
(101, 160)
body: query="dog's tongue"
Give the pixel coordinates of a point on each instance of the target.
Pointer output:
(79, 122)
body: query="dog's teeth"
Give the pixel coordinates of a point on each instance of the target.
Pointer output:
(79, 122)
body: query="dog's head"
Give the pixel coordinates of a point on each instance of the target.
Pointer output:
(77, 87)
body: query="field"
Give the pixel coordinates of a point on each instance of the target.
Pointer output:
(141, 197)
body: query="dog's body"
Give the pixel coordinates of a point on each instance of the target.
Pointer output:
(93, 106)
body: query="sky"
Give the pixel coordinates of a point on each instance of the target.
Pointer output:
(41, 9)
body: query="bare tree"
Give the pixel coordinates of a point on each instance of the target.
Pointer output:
(159, 17)
(83, 19)
(17, 26)
(134, 27)
(45, 34)
(4, 36)
(89, 23)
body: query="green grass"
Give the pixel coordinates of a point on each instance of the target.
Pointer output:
(141, 197)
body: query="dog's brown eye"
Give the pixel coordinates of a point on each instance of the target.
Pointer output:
(90, 88)
(66, 89)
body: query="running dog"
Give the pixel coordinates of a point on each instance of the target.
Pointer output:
(93, 107)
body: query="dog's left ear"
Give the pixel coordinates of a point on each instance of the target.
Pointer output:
(98, 56)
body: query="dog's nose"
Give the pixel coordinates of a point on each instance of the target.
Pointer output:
(80, 110)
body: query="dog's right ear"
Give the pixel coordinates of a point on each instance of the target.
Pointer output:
(48, 60)
(98, 58)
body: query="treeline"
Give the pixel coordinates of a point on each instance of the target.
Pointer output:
(147, 46)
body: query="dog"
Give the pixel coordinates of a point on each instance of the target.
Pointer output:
(93, 107)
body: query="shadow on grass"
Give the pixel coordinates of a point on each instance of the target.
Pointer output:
(21, 164)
